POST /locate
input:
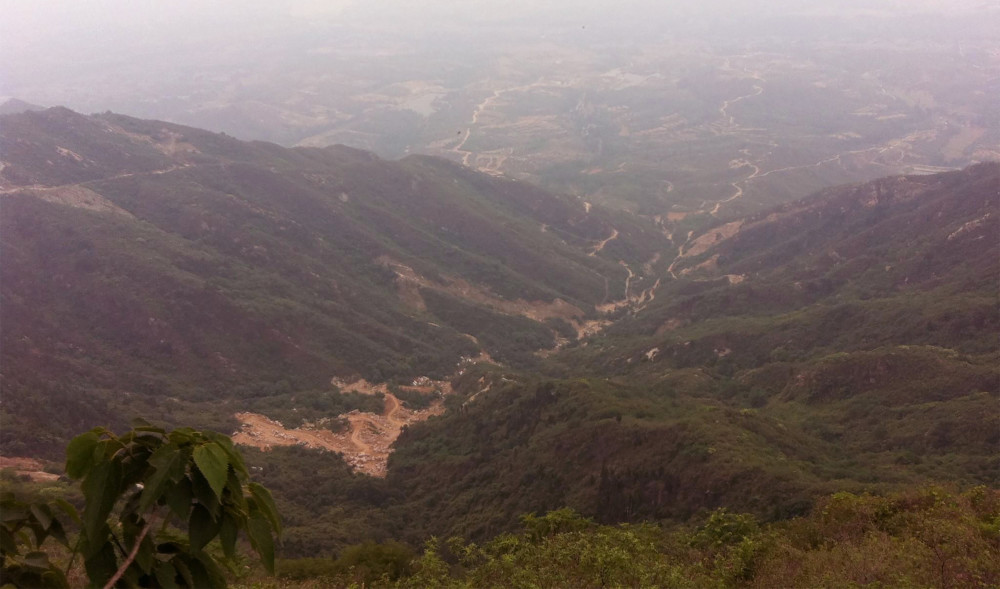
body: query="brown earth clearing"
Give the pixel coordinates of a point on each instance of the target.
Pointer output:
(29, 467)
(365, 444)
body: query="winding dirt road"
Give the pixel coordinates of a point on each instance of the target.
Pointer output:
(392, 407)
(738, 185)
(495, 162)
(601, 244)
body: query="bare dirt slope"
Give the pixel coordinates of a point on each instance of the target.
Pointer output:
(29, 467)
(365, 444)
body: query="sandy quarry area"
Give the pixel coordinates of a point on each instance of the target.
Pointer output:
(27, 466)
(365, 445)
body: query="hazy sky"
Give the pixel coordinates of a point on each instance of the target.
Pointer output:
(26, 20)
(47, 43)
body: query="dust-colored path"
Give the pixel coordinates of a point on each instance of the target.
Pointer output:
(42, 187)
(495, 161)
(392, 407)
(723, 110)
(636, 301)
(728, 123)
(738, 185)
(604, 242)
(460, 148)
(173, 145)
(358, 424)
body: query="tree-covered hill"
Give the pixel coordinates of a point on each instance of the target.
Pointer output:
(759, 395)
(144, 258)
(846, 341)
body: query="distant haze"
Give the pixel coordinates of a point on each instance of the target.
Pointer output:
(638, 104)
(41, 42)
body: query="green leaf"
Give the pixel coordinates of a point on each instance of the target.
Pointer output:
(259, 531)
(227, 535)
(182, 436)
(80, 454)
(179, 499)
(184, 571)
(146, 556)
(130, 578)
(168, 463)
(43, 514)
(38, 560)
(8, 544)
(101, 564)
(215, 575)
(194, 572)
(202, 527)
(13, 512)
(68, 509)
(40, 532)
(235, 497)
(54, 578)
(235, 458)
(203, 492)
(101, 489)
(56, 531)
(266, 504)
(166, 576)
(141, 425)
(213, 464)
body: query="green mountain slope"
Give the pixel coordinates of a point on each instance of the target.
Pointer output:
(759, 395)
(142, 257)
(843, 342)
(900, 261)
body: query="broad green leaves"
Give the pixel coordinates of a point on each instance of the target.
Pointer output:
(266, 504)
(202, 527)
(168, 462)
(260, 538)
(155, 502)
(101, 489)
(213, 464)
(159, 482)
(80, 454)
(23, 564)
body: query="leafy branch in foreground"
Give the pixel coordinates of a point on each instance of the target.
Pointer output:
(154, 501)
(22, 562)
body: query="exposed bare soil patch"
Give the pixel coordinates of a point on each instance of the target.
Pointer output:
(28, 467)
(365, 445)
(408, 280)
(165, 141)
(701, 243)
(604, 242)
(75, 195)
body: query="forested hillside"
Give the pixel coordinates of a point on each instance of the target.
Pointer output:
(845, 342)
(816, 370)
(145, 261)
